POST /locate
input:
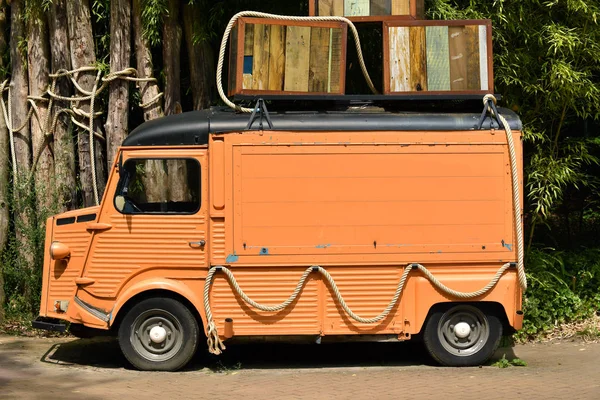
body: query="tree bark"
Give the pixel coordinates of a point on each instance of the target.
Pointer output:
(177, 174)
(38, 55)
(83, 55)
(120, 53)
(20, 90)
(201, 59)
(155, 177)
(148, 90)
(172, 57)
(4, 167)
(22, 143)
(64, 148)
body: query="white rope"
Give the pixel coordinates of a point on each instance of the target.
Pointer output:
(216, 346)
(256, 14)
(515, 191)
(48, 126)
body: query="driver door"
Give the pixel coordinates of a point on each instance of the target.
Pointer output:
(153, 221)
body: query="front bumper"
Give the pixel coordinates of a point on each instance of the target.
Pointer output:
(49, 324)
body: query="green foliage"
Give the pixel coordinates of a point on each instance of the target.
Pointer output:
(153, 12)
(504, 363)
(22, 266)
(101, 27)
(563, 288)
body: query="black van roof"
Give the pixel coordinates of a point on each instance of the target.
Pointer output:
(194, 127)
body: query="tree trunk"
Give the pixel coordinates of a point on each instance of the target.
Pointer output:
(20, 90)
(177, 174)
(201, 59)
(22, 143)
(155, 177)
(4, 168)
(38, 55)
(64, 149)
(148, 90)
(172, 57)
(120, 53)
(83, 55)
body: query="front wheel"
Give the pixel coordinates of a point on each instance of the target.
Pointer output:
(158, 334)
(462, 336)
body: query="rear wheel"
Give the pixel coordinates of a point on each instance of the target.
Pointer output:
(158, 334)
(462, 335)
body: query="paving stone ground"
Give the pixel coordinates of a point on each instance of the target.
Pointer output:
(67, 368)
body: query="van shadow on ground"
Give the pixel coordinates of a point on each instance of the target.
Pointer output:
(105, 353)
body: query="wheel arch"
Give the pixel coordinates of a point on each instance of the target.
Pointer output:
(164, 288)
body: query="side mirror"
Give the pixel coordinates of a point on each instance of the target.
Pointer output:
(120, 203)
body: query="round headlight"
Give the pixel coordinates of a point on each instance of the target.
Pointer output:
(59, 251)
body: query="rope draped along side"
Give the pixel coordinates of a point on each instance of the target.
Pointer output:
(256, 14)
(216, 346)
(49, 126)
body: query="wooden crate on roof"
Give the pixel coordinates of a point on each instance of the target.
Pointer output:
(438, 57)
(287, 57)
(369, 10)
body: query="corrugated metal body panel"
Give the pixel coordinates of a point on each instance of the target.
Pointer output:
(63, 273)
(217, 242)
(367, 291)
(128, 248)
(268, 286)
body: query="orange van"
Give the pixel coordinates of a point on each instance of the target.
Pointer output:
(316, 225)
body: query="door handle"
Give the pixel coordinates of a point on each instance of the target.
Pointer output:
(198, 244)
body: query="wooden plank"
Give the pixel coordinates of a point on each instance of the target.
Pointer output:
(319, 60)
(249, 40)
(457, 45)
(399, 59)
(247, 81)
(335, 61)
(277, 57)
(297, 57)
(438, 59)
(356, 8)
(331, 7)
(260, 62)
(418, 59)
(381, 7)
(418, 7)
(473, 72)
(233, 60)
(401, 7)
(248, 58)
(483, 57)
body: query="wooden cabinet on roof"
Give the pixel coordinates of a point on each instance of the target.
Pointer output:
(287, 57)
(438, 57)
(369, 10)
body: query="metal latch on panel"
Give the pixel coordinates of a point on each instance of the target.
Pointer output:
(261, 109)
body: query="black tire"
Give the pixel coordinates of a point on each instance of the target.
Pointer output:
(174, 324)
(449, 346)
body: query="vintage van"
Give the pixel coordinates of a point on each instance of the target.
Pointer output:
(296, 224)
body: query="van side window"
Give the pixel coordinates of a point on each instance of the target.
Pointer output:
(159, 186)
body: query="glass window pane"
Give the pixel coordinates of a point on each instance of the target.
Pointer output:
(160, 186)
